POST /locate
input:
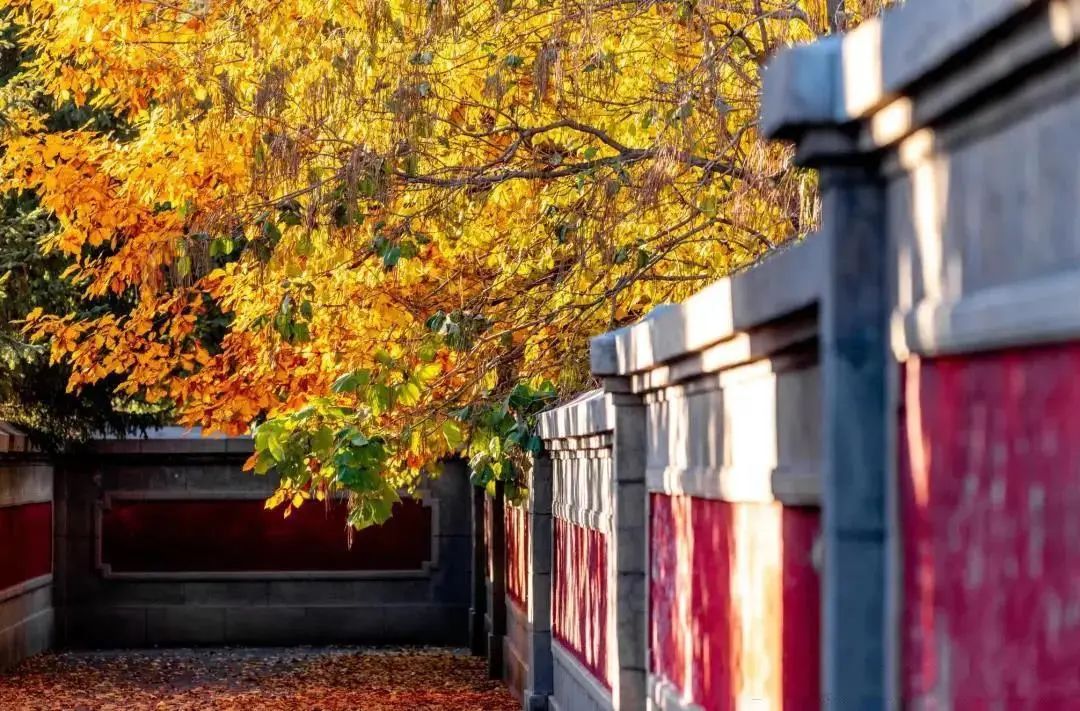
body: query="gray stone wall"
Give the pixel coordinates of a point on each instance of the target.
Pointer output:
(947, 139)
(94, 610)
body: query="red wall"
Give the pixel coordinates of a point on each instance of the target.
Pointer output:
(26, 537)
(517, 554)
(579, 604)
(734, 602)
(241, 535)
(990, 463)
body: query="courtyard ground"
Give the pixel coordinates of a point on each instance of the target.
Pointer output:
(297, 679)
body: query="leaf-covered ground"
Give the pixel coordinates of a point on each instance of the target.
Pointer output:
(333, 679)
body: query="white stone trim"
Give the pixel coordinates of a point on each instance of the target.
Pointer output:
(798, 485)
(785, 283)
(590, 414)
(592, 519)
(596, 691)
(663, 696)
(1042, 310)
(841, 80)
(14, 441)
(586, 445)
(23, 483)
(25, 587)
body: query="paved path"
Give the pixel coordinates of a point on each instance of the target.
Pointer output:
(315, 679)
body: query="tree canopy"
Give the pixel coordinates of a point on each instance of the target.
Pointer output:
(33, 392)
(382, 231)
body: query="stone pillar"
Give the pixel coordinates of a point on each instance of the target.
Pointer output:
(628, 565)
(539, 682)
(854, 357)
(496, 591)
(478, 604)
(806, 101)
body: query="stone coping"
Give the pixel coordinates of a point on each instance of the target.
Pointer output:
(13, 440)
(589, 414)
(174, 440)
(839, 80)
(786, 282)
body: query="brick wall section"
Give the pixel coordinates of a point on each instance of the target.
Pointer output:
(26, 555)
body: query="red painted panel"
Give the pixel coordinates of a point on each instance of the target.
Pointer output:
(735, 603)
(579, 604)
(26, 538)
(990, 486)
(240, 536)
(517, 554)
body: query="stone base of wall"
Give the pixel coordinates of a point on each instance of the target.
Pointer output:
(183, 625)
(576, 689)
(26, 623)
(516, 648)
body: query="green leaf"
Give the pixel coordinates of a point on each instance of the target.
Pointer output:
(451, 430)
(391, 257)
(271, 231)
(273, 443)
(323, 439)
(409, 393)
(351, 382)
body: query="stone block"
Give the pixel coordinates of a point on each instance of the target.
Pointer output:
(25, 482)
(30, 636)
(267, 625)
(225, 592)
(450, 581)
(139, 592)
(173, 625)
(347, 625)
(105, 627)
(853, 622)
(16, 610)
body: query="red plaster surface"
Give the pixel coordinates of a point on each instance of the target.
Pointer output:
(735, 603)
(26, 537)
(990, 490)
(240, 536)
(579, 604)
(517, 554)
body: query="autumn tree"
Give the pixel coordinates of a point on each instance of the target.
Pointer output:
(383, 232)
(33, 392)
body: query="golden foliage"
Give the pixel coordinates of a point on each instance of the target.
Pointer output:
(451, 197)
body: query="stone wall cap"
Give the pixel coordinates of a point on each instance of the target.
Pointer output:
(838, 80)
(590, 413)
(13, 440)
(175, 440)
(786, 282)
